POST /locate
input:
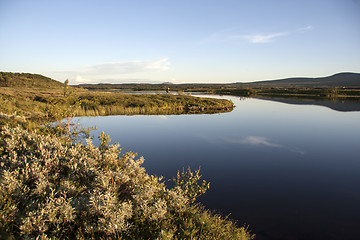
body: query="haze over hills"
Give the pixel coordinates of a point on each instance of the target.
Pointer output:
(345, 79)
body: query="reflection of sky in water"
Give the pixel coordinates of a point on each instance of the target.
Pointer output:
(255, 141)
(267, 162)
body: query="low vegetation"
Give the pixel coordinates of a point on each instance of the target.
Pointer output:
(53, 186)
(27, 80)
(55, 190)
(40, 98)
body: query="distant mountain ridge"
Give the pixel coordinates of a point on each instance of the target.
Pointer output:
(345, 79)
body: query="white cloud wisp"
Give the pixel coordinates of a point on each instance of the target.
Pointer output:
(228, 35)
(119, 70)
(262, 38)
(127, 67)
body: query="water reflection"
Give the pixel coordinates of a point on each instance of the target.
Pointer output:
(343, 106)
(254, 157)
(263, 141)
(253, 140)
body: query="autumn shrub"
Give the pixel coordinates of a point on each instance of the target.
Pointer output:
(55, 190)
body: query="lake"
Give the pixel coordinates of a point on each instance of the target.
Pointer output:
(288, 171)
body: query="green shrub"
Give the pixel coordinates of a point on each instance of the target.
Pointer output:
(51, 189)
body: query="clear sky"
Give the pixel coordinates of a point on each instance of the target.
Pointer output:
(93, 41)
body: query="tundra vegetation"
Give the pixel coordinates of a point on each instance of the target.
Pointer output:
(37, 97)
(53, 187)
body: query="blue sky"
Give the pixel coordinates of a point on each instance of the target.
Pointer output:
(210, 41)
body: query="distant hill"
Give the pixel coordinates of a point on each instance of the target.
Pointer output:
(349, 80)
(28, 80)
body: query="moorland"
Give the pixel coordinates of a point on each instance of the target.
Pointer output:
(53, 185)
(36, 97)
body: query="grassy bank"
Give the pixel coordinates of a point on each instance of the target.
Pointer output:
(43, 104)
(52, 187)
(108, 103)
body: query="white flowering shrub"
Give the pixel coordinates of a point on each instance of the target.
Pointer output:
(55, 190)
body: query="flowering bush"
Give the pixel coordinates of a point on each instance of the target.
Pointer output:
(51, 189)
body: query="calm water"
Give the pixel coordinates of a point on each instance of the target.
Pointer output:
(288, 171)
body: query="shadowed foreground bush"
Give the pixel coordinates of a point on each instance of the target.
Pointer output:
(49, 189)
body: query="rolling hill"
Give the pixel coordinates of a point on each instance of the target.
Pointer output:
(346, 79)
(27, 80)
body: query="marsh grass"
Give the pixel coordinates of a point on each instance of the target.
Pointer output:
(50, 104)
